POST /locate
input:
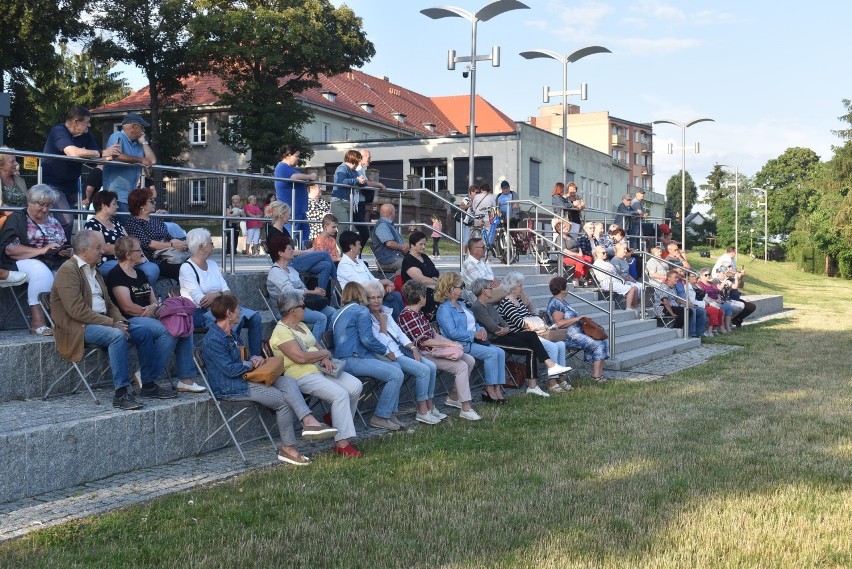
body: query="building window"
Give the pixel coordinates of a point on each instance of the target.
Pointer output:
(432, 176)
(116, 127)
(326, 132)
(346, 134)
(365, 136)
(197, 192)
(198, 131)
(535, 165)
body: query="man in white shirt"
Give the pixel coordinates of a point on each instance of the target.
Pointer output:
(353, 269)
(476, 267)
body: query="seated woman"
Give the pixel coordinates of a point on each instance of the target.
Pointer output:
(355, 343)
(132, 293)
(305, 362)
(284, 278)
(574, 255)
(33, 242)
(418, 266)
(715, 289)
(390, 335)
(353, 269)
(225, 368)
(317, 263)
(594, 351)
(201, 281)
(500, 332)
(655, 267)
(458, 324)
(151, 232)
(603, 269)
(416, 326)
(514, 309)
(106, 206)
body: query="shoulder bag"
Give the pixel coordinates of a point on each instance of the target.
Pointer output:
(592, 329)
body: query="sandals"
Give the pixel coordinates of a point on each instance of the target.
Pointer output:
(600, 379)
(42, 331)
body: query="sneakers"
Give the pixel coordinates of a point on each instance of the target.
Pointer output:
(566, 387)
(296, 460)
(437, 414)
(471, 415)
(557, 370)
(154, 391)
(348, 451)
(190, 387)
(537, 391)
(453, 403)
(318, 432)
(381, 423)
(427, 418)
(126, 402)
(708, 334)
(14, 278)
(555, 389)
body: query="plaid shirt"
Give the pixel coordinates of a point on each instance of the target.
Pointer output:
(417, 327)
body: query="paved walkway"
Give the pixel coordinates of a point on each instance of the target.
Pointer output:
(54, 508)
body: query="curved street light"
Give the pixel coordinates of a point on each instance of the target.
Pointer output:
(484, 14)
(565, 60)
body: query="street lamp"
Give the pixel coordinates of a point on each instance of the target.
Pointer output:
(683, 127)
(736, 205)
(484, 14)
(564, 93)
(765, 221)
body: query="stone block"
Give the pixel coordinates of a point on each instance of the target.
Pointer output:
(13, 460)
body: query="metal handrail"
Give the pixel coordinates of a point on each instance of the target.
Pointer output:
(646, 280)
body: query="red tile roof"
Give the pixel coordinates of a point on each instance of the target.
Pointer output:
(352, 88)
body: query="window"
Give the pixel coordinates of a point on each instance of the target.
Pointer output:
(116, 127)
(347, 133)
(197, 192)
(535, 165)
(433, 175)
(326, 132)
(198, 131)
(636, 157)
(365, 136)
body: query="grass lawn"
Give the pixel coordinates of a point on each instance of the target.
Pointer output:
(743, 462)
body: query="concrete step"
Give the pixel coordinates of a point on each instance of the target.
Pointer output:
(630, 358)
(628, 342)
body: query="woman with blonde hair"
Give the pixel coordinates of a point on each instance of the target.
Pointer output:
(317, 263)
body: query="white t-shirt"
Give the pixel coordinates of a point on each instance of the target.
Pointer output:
(195, 284)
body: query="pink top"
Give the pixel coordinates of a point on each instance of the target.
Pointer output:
(254, 211)
(437, 225)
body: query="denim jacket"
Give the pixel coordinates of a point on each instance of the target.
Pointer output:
(344, 175)
(225, 369)
(353, 333)
(453, 323)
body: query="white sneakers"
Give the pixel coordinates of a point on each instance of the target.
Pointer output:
(427, 418)
(190, 387)
(452, 403)
(437, 414)
(537, 391)
(14, 278)
(471, 415)
(557, 370)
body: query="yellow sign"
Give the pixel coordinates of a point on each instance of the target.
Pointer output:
(30, 163)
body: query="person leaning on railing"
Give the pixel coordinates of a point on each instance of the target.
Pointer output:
(14, 188)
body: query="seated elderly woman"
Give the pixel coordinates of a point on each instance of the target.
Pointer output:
(655, 267)
(458, 324)
(130, 290)
(418, 266)
(106, 206)
(515, 306)
(222, 355)
(308, 364)
(499, 332)
(405, 354)
(355, 344)
(594, 351)
(446, 354)
(201, 281)
(603, 271)
(317, 263)
(713, 290)
(33, 242)
(152, 233)
(283, 278)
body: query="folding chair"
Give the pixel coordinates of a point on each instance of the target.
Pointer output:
(16, 293)
(235, 421)
(89, 350)
(267, 300)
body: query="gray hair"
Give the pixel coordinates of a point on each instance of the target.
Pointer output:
(374, 287)
(513, 279)
(84, 239)
(290, 299)
(278, 209)
(42, 193)
(479, 286)
(196, 238)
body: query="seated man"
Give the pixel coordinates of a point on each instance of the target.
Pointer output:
(600, 265)
(353, 269)
(83, 313)
(387, 243)
(674, 256)
(622, 262)
(667, 302)
(476, 267)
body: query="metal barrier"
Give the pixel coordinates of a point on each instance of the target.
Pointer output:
(648, 282)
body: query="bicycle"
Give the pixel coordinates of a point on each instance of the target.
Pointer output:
(494, 236)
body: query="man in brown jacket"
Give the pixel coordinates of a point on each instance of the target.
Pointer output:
(83, 313)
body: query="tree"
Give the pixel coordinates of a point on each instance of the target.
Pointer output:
(673, 195)
(268, 51)
(720, 191)
(784, 178)
(152, 35)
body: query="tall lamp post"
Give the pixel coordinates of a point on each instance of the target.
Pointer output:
(564, 93)
(484, 14)
(736, 206)
(683, 127)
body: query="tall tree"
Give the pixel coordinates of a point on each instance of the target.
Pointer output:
(152, 35)
(784, 178)
(673, 195)
(268, 51)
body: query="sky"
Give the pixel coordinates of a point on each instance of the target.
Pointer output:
(772, 74)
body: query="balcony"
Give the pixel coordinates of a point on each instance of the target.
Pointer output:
(645, 148)
(647, 170)
(619, 140)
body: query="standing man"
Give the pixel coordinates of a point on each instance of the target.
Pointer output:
(625, 213)
(504, 196)
(366, 196)
(71, 138)
(641, 214)
(387, 243)
(136, 155)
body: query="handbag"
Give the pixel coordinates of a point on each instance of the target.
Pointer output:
(337, 364)
(266, 373)
(315, 302)
(592, 329)
(535, 324)
(172, 256)
(556, 335)
(446, 352)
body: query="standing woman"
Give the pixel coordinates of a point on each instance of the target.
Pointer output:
(253, 226)
(293, 193)
(152, 233)
(458, 324)
(318, 208)
(416, 265)
(437, 227)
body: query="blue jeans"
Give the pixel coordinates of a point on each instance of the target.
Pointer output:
(317, 321)
(387, 372)
(494, 359)
(555, 350)
(424, 373)
(249, 319)
(153, 364)
(697, 321)
(393, 300)
(317, 263)
(116, 343)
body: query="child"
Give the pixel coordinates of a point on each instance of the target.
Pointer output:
(437, 227)
(327, 240)
(253, 227)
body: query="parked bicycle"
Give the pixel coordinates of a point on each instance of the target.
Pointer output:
(494, 235)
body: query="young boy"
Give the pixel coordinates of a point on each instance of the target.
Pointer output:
(327, 240)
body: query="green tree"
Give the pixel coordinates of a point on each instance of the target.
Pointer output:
(673, 195)
(268, 51)
(784, 178)
(152, 35)
(720, 194)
